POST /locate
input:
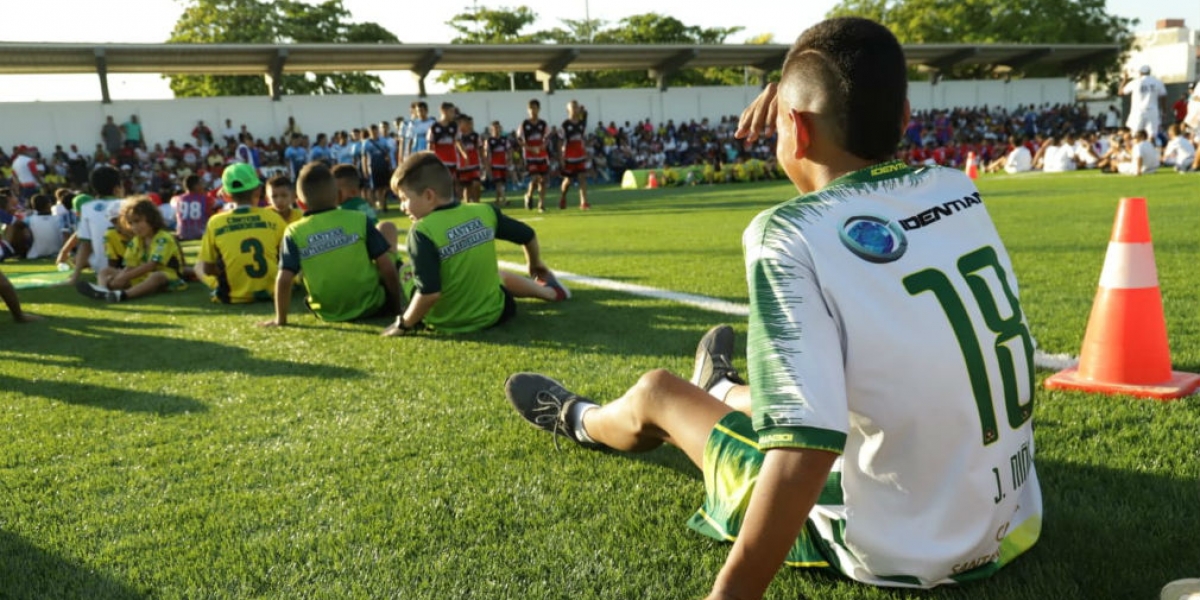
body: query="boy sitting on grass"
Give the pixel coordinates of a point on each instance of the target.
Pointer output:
(348, 272)
(869, 441)
(239, 253)
(457, 287)
(153, 259)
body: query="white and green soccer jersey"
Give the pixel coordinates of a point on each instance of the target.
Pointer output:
(885, 325)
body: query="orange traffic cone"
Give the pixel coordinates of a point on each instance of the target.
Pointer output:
(1125, 349)
(972, 166)
(652, 181)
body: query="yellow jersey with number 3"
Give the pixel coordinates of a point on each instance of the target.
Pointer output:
(244, 246)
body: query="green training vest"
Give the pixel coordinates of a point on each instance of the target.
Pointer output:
(471, 296)
(340, 277)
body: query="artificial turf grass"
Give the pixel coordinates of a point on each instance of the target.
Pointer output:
(321, 461)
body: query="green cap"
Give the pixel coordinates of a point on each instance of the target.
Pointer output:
(239, 177)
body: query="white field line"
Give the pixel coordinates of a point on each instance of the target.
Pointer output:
(1041, 359)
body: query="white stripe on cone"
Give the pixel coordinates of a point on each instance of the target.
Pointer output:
(1129, 267)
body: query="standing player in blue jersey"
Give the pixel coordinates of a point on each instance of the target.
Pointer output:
(418, 129)
(888, 432)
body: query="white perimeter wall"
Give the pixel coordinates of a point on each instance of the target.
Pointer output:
(44, 124)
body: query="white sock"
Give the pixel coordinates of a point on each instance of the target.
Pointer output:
(721, 388)
(576, 420)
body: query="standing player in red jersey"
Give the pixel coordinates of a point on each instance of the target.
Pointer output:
(532, 136)
(495, 156)
(574, 155)
(443, 136)
(469, 171)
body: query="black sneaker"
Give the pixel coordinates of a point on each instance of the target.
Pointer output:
(714, 359)
(91, 290)
(545, 404)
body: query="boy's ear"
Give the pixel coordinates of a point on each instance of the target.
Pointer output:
(802, 126)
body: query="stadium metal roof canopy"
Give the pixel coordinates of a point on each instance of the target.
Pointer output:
(547, 60)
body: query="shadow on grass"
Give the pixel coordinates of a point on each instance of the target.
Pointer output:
(28, 573)
(599, 321)
(98, 396)
(113, 346)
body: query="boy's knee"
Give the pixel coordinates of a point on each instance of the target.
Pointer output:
(652, 385)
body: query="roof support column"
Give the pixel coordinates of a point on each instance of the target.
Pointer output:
(423, 66)
(553, 67)
(669, 66)
(274, 76)
(102, 72)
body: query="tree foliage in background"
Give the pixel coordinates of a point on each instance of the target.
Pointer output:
(267, 22)
(493, 26)
(998, 22)
(483, 25)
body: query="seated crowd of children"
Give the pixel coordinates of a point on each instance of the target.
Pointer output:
(346, 259)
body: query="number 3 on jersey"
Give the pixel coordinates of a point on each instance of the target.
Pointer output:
(971, 267)
(258, 255)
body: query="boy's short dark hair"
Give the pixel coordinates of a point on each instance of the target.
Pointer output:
(105, 180)
(64, 196)
(423, 171)
(317, 186)
(423, 104)
(190, 182)
(344, 173)
(41, 204)
(447, 105)
(280, 181)
(860, 65)
(534, 103)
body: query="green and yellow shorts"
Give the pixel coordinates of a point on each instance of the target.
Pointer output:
(732, 462)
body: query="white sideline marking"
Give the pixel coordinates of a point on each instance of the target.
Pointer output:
(1041, 359)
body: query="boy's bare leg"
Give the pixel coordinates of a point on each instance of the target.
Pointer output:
(155, 282)
(660, 407)
(105, 276)
(738, 398)
(9, 294)
(523, 287)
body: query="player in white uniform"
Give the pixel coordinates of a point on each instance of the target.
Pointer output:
(889, 434)
(1193, 107)
(95, 220)
(1147, 101)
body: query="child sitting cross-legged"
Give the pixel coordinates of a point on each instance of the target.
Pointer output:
(153, 259)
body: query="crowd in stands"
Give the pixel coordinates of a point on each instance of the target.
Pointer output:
(1049, 138)
(1052, 138)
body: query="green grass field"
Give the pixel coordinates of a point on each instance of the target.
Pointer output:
(168, 448)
